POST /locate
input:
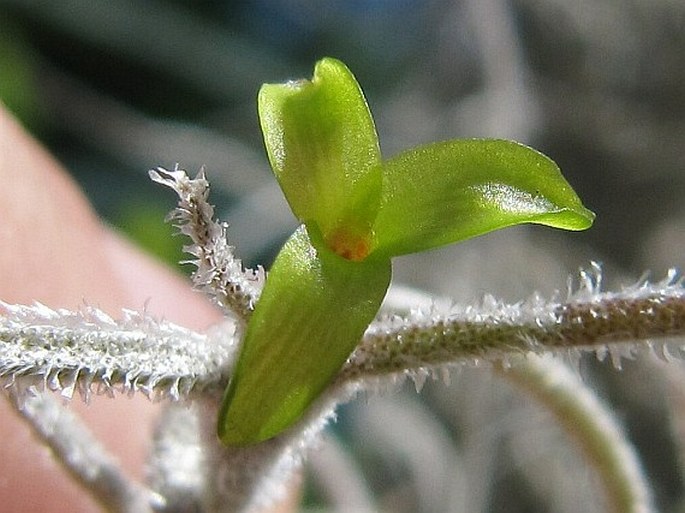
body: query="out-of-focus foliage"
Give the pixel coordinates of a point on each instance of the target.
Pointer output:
(120, 87)
(18, 88)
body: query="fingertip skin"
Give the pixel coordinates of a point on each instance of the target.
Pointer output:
(312, 313)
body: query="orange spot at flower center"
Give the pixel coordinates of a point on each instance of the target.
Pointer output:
(349, 246)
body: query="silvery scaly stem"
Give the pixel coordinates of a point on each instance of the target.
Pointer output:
(219, 273)
(178, 459)
(644, 316)
(83, 456)
(88, 352)
(255, 477)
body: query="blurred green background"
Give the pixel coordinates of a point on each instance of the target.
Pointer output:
(114, 88)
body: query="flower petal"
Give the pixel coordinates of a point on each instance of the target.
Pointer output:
(311, 315)
(323, 148)
(446, 192)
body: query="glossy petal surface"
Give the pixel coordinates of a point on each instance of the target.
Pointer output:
(323, 148)
(312, 313)
(447, 192)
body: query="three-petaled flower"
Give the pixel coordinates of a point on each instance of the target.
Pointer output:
(357, 212)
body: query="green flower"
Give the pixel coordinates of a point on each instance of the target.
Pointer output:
(357, 212)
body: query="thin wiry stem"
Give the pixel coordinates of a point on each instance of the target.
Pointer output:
(591, 424)
(219, 273)
(83, 457)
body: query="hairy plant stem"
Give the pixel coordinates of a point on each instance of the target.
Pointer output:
(80, 351)
(644, 316)
(219, 273)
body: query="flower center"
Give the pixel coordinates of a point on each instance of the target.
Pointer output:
(350, 246)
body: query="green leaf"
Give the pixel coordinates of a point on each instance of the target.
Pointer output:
(312, 313)
(446, 192)
(323, 148)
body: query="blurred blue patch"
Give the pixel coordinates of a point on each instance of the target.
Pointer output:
(373, 29)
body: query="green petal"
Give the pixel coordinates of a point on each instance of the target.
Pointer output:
(447, 192)
(311, 315)
(323, 148)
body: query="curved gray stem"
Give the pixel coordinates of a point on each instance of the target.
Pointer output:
(83, 457)
(590, 424)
